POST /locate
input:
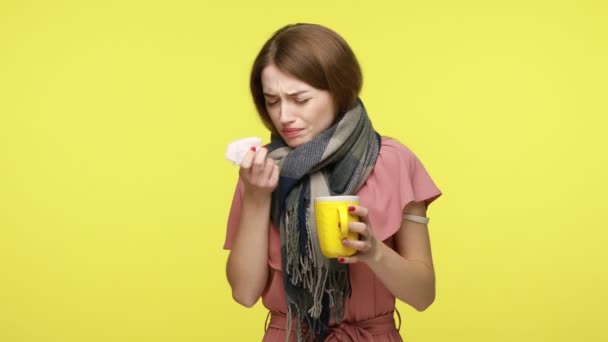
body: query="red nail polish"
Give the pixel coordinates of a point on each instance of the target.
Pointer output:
(266, 147)
(253, 149)
(340, 259)
(351, 208)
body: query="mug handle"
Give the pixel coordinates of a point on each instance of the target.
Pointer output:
(343, 217)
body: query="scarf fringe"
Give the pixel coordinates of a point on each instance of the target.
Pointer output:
(314, 274)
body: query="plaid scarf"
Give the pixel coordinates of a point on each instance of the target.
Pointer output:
(336, 162)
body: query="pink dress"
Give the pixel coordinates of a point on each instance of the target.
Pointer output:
(397, 179)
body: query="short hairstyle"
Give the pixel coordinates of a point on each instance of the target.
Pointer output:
(315, 55)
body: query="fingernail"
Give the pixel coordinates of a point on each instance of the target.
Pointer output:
(343, 241)
(340, 259)
(266, 147)
(351, 208)
(253, 149)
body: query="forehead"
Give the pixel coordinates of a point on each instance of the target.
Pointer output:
(274, 80)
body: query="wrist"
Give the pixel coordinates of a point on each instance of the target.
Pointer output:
(378, 255)
(257, 198)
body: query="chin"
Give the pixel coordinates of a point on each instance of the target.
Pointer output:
(295, 142)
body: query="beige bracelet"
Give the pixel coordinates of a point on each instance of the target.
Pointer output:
(416, 218)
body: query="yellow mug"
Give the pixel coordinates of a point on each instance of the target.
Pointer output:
(332, 217)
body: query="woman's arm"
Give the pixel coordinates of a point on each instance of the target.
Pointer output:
(407, 272)
(247, 267)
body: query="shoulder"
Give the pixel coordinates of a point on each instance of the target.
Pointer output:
(393, 146)
(394, 154)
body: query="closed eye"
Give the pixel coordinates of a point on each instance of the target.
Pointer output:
(302, 101)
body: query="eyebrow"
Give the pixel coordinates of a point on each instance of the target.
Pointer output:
(289, 94)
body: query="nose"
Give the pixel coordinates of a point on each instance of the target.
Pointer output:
(286, 115)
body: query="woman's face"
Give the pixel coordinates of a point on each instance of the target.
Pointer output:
(298, 111)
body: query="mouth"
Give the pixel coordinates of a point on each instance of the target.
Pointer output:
(292, 132)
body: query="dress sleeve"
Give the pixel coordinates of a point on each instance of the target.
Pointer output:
(423, 187)
(398, 179)
(234, 215)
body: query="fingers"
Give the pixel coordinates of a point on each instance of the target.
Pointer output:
(248, 159)
(253, 162)
(360, 211)
(274, 177)
(267, 170)
(366, 245)
(259, 161)
(349, 260)
(358, 227)
(259, 171)
(361, 246)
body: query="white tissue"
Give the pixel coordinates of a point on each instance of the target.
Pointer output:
(237, 149)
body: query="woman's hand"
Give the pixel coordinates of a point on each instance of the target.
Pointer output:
(259, 174)
(367, 246)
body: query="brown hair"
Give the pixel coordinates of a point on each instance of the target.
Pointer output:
(315, 55)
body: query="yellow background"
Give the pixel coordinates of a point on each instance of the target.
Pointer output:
(114, 191)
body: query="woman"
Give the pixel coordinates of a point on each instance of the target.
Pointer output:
(305, 84)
